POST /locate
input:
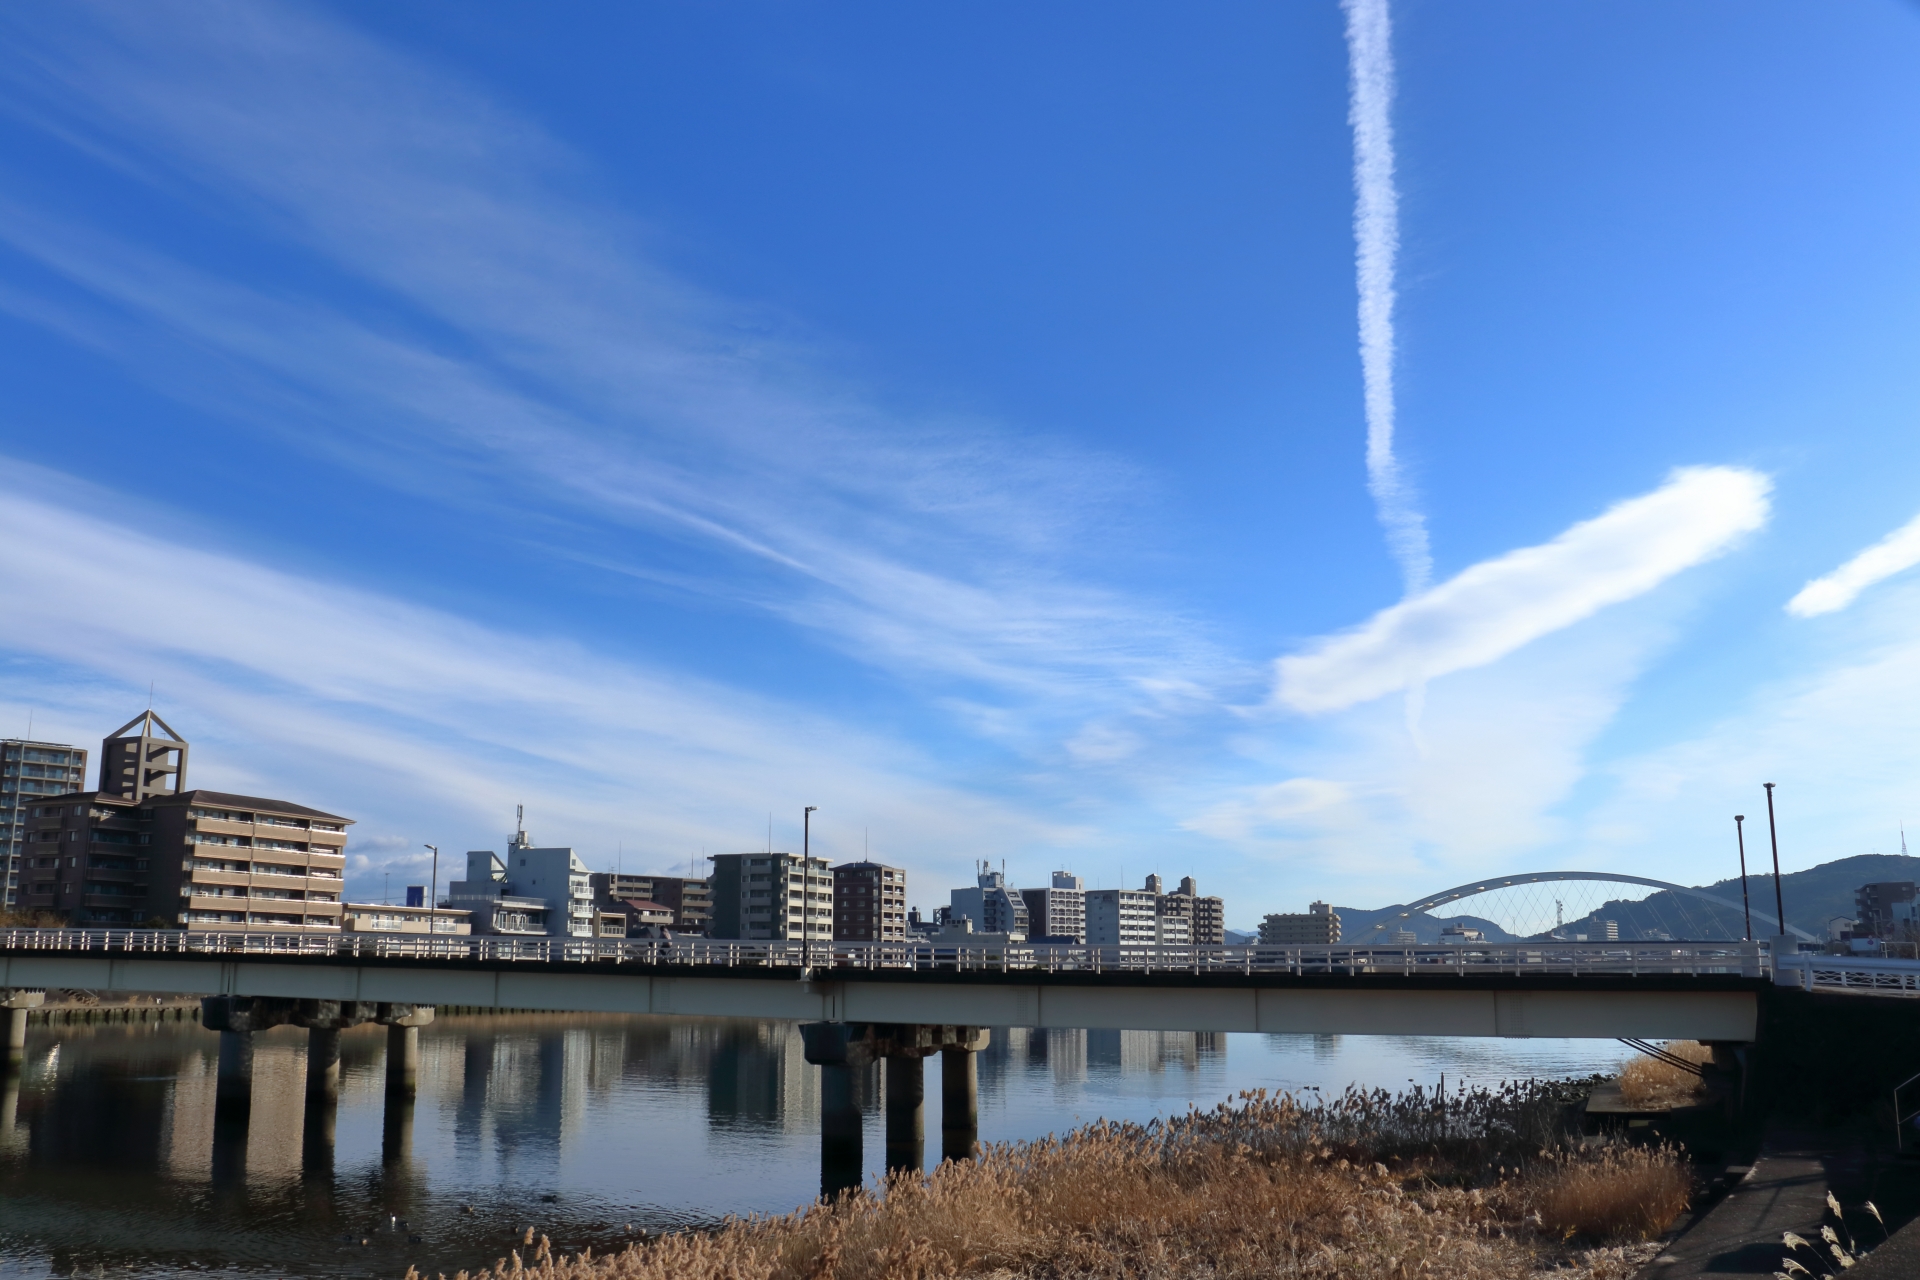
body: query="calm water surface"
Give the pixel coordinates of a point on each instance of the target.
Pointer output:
(585, 1127)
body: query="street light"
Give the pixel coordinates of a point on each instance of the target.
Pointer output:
(1779, 903)
(433, 885)
(1740, 834)
(806, 885)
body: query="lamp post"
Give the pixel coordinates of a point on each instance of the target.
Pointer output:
(1779, 903)
(1740, 834)
(806, 886)
(433, 885)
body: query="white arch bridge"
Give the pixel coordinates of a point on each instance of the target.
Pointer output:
(1517, 903)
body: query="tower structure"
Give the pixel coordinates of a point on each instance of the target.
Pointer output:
(136, 762)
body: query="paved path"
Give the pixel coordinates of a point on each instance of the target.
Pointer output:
(1787, 1191)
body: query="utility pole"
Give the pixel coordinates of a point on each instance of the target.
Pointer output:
(1740, 834)
(1779, 903)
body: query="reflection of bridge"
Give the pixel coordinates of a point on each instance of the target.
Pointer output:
(1494, 884)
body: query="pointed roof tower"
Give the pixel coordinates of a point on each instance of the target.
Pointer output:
(136, 762)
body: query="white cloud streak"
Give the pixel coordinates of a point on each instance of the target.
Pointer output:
(1376, 234)
(1895, 553)
(419, 720)
(494, 336)
(1499, 605)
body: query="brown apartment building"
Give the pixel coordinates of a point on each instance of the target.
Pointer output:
(689, 898)
(141, 851)
(869, 903)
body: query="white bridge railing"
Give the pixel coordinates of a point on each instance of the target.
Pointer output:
(1748, 959)
(1868, 975)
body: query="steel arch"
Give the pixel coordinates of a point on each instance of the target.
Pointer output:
(1538, 877)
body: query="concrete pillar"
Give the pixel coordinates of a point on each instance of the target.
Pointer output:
(323, 1064)
(959, 1104)
(403, 1060)
(906, 1113)
(16, 1038)
(233, 1088)
(842, 1160)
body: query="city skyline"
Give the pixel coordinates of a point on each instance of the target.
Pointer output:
(979, 428)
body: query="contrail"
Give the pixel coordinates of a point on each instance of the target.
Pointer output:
(1376, 234)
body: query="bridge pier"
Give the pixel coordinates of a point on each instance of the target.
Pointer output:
(323, 1064)
(959, 1104)
(841, 1048)
(906, 1113)
(233, 1082)
(842, 1160)
(16, 1004)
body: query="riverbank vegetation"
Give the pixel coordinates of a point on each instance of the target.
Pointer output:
(1649, 1084)
(1367, 1186)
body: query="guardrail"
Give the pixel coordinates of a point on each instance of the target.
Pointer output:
(1868, 975)
(1747, 959)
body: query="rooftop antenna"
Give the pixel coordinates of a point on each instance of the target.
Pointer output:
(149, 695)
(1903, 839)
(769, 831)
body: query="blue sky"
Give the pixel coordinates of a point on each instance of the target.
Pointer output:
(667, 416)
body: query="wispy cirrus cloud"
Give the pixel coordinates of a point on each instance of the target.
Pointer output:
(1494, 608)
(419, 720)
(471, 317)
(1830, 593)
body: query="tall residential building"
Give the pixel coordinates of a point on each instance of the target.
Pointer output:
(136, 762)
(1206, 917)
(772, 896)
(1886, 909)
(30, 772)
(552, 879)
(991, 906)
(689, 898)
(869, 903)
(1121, 917)
(1319, 926)
(195, 859)
(1058, 913)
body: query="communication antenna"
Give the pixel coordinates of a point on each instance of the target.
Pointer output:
(1903, 839)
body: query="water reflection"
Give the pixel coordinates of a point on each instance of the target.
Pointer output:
(115, 1152)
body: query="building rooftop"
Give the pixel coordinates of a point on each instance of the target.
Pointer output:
(230, 801)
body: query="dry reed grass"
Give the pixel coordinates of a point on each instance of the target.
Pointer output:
(1649, 1083)
(1264, 1187)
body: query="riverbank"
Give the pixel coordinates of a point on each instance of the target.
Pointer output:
(1483, 1184)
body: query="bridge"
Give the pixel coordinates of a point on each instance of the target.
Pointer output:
(900, 1004)
(1496, 884)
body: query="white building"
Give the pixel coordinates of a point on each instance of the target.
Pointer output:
(543, 886)
(1172, 930)
(1059, 911)
(779, 897)
(991, 906)
(1122, 917)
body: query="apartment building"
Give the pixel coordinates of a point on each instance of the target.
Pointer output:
(30, 772)
(1206, 917)
(1058, 913)
(869, 903)
(1122, 917)
(533, 889)
(689, 898)
(772, 896)
(1319, 926)
(195, 859)
(991, 906)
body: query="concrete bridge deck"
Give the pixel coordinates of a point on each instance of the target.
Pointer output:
(1666, 990)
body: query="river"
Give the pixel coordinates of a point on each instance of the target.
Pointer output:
(589, 1128)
